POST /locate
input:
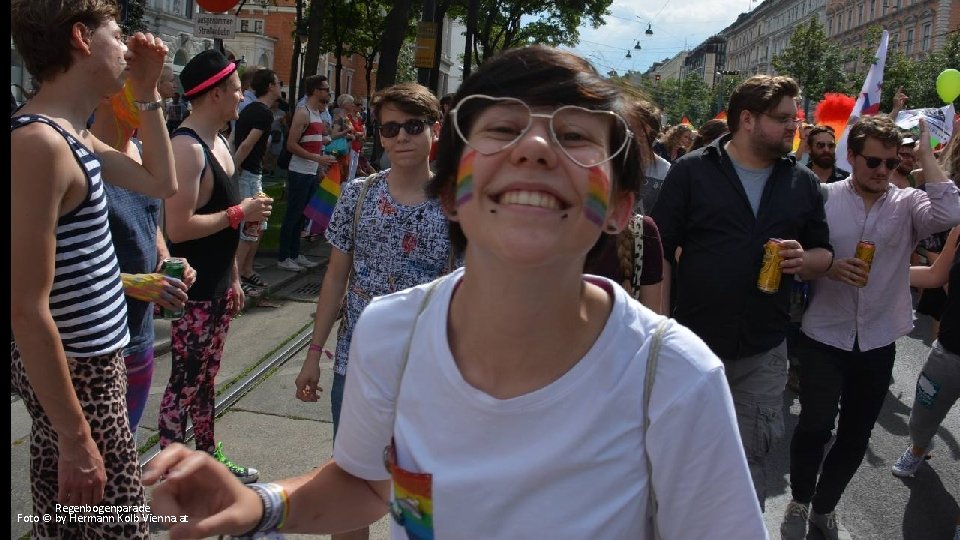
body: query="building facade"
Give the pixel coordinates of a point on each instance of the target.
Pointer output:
(707, 60)
(917, 27)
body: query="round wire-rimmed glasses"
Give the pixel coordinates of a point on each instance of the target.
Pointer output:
(583, 135)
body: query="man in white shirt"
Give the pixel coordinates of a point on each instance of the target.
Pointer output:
(856, 313)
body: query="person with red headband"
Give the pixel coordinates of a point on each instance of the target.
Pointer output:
(202, 222)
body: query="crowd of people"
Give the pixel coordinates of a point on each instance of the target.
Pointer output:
(538, 201)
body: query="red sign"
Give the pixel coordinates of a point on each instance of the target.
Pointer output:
(217, 6)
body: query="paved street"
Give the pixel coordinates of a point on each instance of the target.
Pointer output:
(281, 436)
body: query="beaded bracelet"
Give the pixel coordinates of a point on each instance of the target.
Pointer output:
(276, 507)
(235, 215)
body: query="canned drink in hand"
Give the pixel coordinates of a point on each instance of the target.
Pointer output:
(252, 228)
(865, 252)
(769, 279)
(173, 267)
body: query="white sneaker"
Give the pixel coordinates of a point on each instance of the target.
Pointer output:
(290, 264)
(305, 262)
(908, 463)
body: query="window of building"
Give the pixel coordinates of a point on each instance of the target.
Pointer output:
(873, 9)
(895, 41)
(244, 25)
(860, 15)
(258, 26)
(927, 30)
(910, 41)
(849, 18)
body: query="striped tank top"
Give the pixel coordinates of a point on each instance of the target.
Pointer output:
(312, 141)
(86, 299)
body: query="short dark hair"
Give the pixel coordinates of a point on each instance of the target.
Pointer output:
(710, 131)
(262, 79)
(539, 76)
(759, 94)
(312, 83)
(41, 31)
(411, 98)
(880, 127)
(816, 130)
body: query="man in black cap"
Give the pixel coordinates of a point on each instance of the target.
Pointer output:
(202, 222)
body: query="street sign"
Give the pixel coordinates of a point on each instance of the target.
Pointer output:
(426, 44)
(214, 26)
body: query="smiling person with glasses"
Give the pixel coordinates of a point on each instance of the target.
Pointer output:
(507, 399)
(822, 145)
(856, 314)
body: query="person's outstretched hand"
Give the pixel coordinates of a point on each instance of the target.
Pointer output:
(205, 497)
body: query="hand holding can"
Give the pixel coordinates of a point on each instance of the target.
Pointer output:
(769, 279)
(258, 211)
(865, 252)
(173, 267)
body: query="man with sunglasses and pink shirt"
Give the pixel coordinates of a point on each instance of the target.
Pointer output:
(822, 144)
(856, 314)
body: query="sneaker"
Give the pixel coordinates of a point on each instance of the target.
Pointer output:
(305, 262)
(794, 526)
(828, 524)
(246, 475)
(908, 463)
(290, 264)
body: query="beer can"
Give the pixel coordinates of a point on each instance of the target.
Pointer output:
(865, 252)
(769, 279)
(252, 228)
(173, 267)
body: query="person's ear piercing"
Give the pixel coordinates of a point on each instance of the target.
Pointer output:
(611, 228)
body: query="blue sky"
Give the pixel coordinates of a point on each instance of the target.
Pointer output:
(675, 24)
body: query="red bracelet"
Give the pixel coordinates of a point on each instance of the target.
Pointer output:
(316, 348)
(235, 215)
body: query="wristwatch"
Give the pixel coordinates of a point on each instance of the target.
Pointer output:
(150, 106)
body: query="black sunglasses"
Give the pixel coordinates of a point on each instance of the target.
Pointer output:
(874, 162)
(414, 126)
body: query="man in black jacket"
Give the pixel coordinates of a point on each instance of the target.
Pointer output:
(718, 207)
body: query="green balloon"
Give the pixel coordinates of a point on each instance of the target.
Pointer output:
(948, 85)
(934, 142)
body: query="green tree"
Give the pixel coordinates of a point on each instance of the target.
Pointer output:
(918, 78)
(815, 62)
(505, 24)
(723, 87)
(131, 14)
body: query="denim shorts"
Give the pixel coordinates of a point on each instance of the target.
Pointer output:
(250, 184)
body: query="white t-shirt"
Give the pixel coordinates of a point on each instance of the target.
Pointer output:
(564, 461)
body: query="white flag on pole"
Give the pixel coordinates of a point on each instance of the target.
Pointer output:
(869, 100)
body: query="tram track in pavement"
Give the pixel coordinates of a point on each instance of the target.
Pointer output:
(233, 393)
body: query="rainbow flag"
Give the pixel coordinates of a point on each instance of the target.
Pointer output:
(320, 208)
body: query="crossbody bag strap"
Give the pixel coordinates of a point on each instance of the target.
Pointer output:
(357, 210)
(636, 227)
(652, 361)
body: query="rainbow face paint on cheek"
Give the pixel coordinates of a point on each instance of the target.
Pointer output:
(465, 178)
(598, 196)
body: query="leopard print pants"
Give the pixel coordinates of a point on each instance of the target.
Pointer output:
(101, 384)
